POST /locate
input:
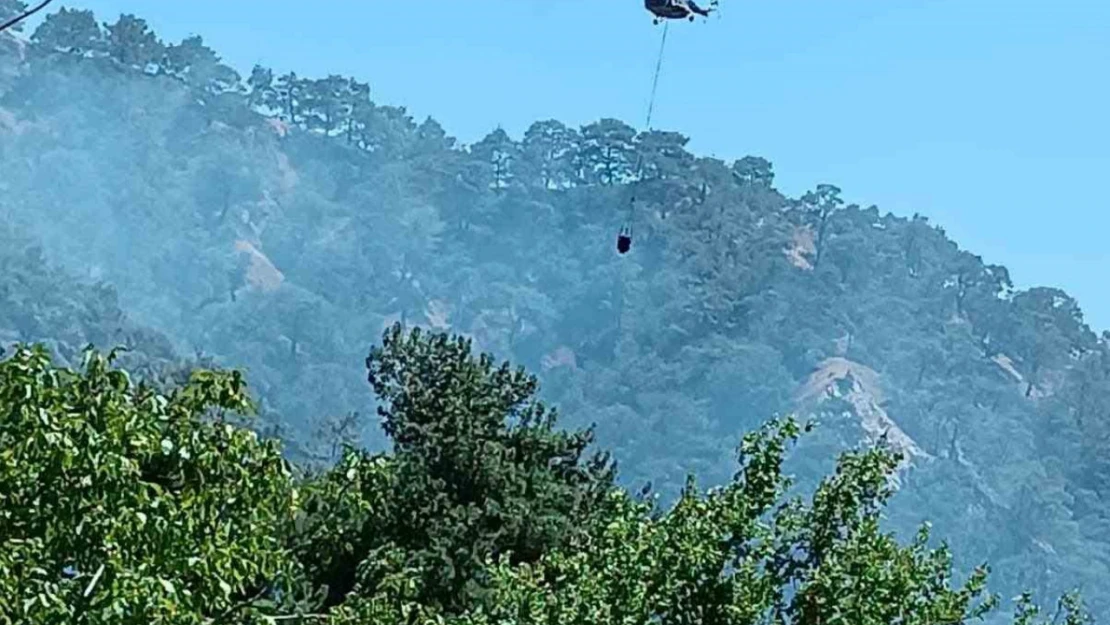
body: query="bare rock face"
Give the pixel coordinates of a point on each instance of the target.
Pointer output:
(859, 386)
(801, 248)
(261, 273)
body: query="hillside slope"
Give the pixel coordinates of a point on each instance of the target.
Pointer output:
(41, 304)
(279, 223)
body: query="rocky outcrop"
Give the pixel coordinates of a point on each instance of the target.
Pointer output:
(861, 388)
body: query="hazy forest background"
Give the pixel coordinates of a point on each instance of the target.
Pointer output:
(150, 196)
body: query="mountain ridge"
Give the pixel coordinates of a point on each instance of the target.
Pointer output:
(734, 296)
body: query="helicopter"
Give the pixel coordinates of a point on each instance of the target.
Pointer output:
(661, 10)
(677, 9)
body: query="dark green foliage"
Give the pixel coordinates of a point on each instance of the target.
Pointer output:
(70, 30)
(480, 469)
(477, 471)
(132, 43)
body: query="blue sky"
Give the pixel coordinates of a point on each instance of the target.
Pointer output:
(989, 117)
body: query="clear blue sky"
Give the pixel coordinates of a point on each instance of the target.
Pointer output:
(989, 117)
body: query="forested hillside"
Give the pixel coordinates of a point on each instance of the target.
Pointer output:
(278, 223)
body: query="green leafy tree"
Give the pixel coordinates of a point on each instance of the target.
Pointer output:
(481, 471)
(1048, 334)
(131, 42)
(976, 286)
(746, 554)
(547, 154)
(663, 155)
(728, 254)
(290, 91)
(915, 237)
(753, 170)
(432, 138)
(324, 104)
(199, 66)
(669, 177)
(70, 30)
(127, 506)
(387, 131)
(498, 153)
(261, 86)
(355, 101)
(607, 152)
(817, 208)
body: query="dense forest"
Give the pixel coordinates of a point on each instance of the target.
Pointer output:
(152, 197)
